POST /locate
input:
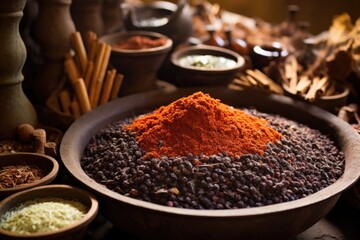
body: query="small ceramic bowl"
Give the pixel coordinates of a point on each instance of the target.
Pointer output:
(262, 55)
(197, 72)
(48, 165)
(66, 192)
(139, 66)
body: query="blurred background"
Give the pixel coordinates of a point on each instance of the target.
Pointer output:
(318, 13)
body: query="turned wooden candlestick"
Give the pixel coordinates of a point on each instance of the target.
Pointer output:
(15, 107)
(53, 28)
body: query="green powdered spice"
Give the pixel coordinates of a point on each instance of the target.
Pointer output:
(42, 215)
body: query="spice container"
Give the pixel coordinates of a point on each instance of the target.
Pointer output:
(22, 171)
(127, 212)
(71, 210)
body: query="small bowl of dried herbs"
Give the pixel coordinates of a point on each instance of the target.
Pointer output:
(21, 171)
(48, 212)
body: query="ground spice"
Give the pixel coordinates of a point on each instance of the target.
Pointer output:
(42, 215)
(140, 42)
(199, 124)
(12, 176)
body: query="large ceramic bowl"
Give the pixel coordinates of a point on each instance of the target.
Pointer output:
(277, 221)
(74, 231)
(139, 66)
(48, 165)
(201, 65)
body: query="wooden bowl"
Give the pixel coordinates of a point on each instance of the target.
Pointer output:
(72, 232)
(139, 66)
(277, 221)
(190, 76)
(47, 164)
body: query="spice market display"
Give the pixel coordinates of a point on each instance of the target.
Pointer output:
(166, 167)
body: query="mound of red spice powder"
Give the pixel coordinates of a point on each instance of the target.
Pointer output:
(199, 124)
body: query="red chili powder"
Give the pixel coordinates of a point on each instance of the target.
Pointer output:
(200, 124)
(140, 42)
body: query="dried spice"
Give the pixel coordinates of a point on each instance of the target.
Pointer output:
(199, 124)
(42, 215)
(13, 176)
(140, 42)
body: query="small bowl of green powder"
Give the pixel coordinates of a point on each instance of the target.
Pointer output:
(47, 212)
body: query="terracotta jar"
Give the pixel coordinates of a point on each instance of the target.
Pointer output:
(53, 28)
(15, 107)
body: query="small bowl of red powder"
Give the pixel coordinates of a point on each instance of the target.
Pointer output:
(21, 171)
(137, 55)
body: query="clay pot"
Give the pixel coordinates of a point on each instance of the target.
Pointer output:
(172, 20)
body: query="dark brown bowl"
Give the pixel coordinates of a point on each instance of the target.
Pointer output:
(139, 67)
(47, 164)
(277, 221)
(72, 232)
(188, 76)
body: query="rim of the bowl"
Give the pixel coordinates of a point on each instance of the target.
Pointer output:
(175, 58)
(343, 183)
(85, 220)
(51, 175)
(166, 46)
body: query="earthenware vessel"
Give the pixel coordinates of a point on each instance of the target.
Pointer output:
(170, 19)
(15, 107)
(53, 28)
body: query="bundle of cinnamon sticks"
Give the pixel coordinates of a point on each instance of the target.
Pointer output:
(257, 80)
(93, 82)
(309, 87)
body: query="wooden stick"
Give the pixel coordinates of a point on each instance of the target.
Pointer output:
(100, 80)
(96, 70)
(65, 101)
(303, 84)
(272, 84)
(311, 94)
(79, 48)
(72, 70)
(106, 91)
(250, 80)
(88, 73)
(75, 108)
(263, 82)
(241, 83)
(116, 87)
(82, 95)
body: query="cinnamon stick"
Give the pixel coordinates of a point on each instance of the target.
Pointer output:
(88, 74)
(96, 71)
(101, 76)
(116, 87)
(75, 108)
(71, 69)
(82, 95)
(79, 48)
(106, 91)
